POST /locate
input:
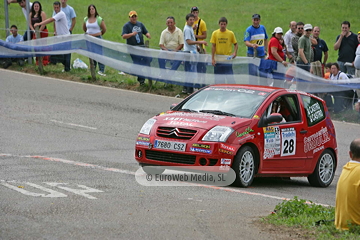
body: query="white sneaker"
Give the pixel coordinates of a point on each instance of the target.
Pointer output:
(122, 73)
(101, 73)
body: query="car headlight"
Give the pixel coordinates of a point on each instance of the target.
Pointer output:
(218, 134)
(146, 128)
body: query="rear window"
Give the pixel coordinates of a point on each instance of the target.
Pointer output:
(314, 110)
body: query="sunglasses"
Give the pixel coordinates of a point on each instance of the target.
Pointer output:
(309, 30)
(300, 28)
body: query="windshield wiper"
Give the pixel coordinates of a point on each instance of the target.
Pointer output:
(217, 112)
(187, 110)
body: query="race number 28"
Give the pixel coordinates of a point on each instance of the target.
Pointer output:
(288, 142)
(288, 146)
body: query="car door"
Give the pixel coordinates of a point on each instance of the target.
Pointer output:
(318, 133)
(283, 143)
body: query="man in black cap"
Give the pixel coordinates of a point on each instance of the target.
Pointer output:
(199, 27)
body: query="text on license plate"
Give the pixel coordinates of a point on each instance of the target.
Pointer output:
(175, 146)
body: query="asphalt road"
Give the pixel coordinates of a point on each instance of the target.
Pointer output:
(67, 171)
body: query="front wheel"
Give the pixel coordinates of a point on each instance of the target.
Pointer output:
(325, 170)
(244, 165)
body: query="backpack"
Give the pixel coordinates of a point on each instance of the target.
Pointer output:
(347, 74)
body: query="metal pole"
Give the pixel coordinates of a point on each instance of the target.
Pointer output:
(6, 8)
(27, 26)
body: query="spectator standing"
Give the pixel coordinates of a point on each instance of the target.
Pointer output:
(347, 208)
(318, 64)
(36, 16)
(14, 38)
(190, 47)
(275, 47)
(200, 32)
(95, 26)
(22, 4)
(222, 41)
(255, 38)
(133, 32)
(295, 39)
(61, 29)
(282, 43)
(304, 52)
(71, 21)
(287, 40)
(171, 39)
(346, 43)
(199, 28)
(69, 13)
(357, 72)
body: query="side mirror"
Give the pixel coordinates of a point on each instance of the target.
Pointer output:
(273, 118)
(172, 106)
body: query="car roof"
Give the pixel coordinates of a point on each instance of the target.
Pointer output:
(246, 86)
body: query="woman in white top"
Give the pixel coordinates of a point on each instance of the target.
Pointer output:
(95, 26)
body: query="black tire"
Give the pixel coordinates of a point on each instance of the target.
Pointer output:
(153, 169)
(324, 172)
(245, 166)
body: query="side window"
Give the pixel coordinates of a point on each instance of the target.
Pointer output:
(287, 106)
(314, 110)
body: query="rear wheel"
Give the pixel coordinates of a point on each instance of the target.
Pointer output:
(324, 171)
(245, 164)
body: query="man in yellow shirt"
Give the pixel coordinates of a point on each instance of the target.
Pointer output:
(347, 209)
(222, 41)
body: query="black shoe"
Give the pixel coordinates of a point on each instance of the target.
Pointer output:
(7, 64)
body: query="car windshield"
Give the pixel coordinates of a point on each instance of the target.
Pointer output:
(230, 101)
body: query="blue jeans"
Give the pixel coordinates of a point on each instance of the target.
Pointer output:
(25, 35)
(190, 69)
(101, 66)
(223, 68)
(302, 65)
(346, 69)
(253, 69)
(174, 63)
(143, 61)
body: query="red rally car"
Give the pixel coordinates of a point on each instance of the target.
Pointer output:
(255, 130)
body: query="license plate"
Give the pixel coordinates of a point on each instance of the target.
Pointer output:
(167, 145)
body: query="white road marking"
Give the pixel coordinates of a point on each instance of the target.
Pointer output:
(133, 173)
(82, 192)
(73, 124)
(18, 186)
(53, 194)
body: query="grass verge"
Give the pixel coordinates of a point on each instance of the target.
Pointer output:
(308, 220)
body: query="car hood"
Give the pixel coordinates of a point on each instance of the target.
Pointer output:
(199, 120)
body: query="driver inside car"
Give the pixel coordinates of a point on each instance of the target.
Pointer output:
(278, 106)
